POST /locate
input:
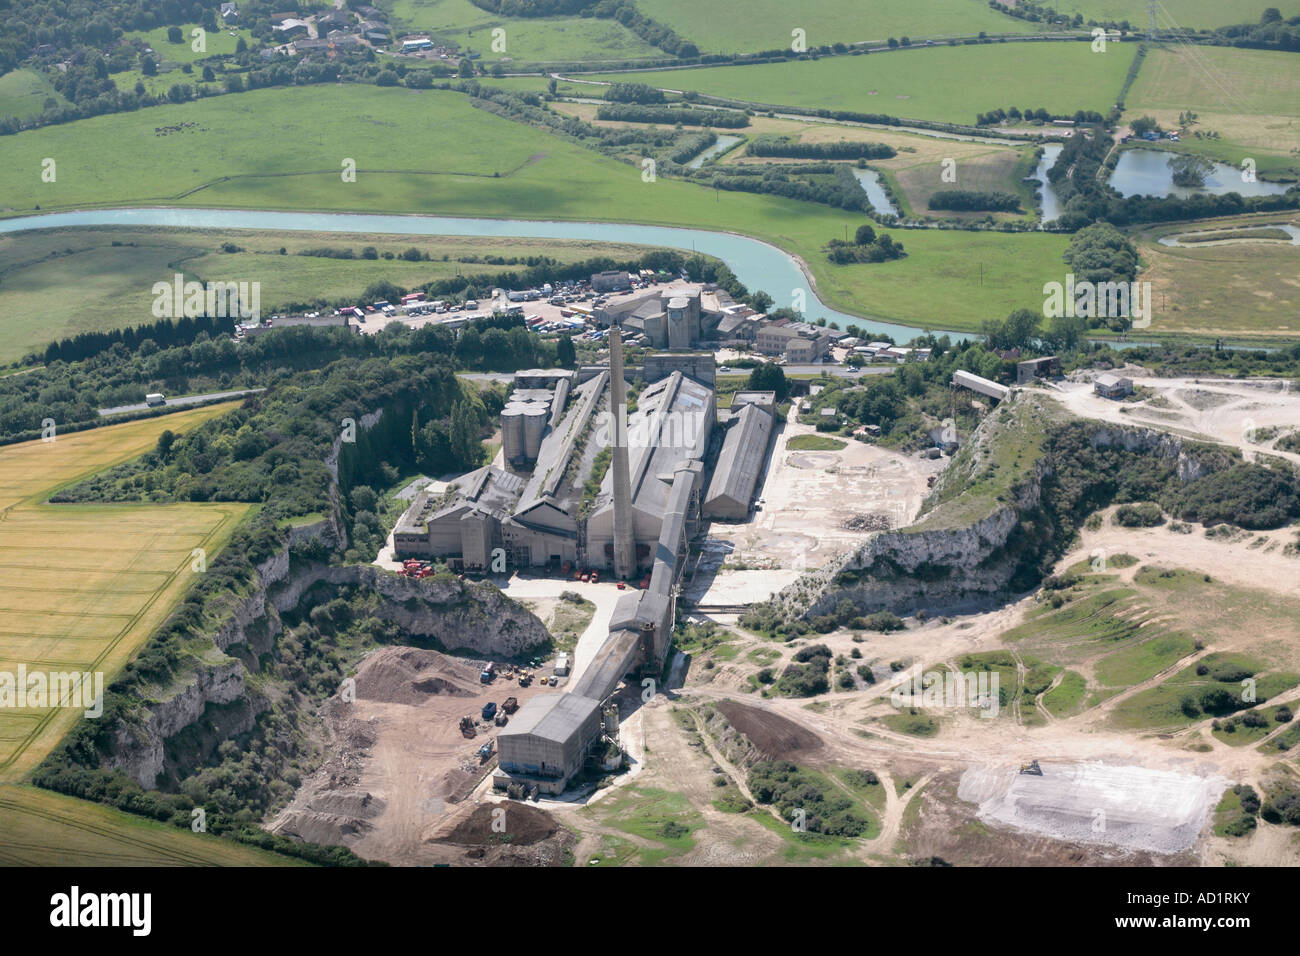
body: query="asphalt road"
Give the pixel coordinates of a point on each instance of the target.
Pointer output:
(183, 400)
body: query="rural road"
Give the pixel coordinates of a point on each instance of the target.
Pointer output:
(183, 400)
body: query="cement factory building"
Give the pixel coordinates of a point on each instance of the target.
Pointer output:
(638, 524)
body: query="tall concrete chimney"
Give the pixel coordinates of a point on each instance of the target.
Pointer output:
(624, 537)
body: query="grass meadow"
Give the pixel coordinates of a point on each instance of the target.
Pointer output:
(943, 83)
(767, 24)
(282, 149)
(23, 93)
(1249, 98)
(118, 267)
(526, 39)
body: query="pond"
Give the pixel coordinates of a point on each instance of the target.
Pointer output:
(1146, 172)
(869, 179)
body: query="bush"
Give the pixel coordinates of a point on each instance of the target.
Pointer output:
(1142, 515)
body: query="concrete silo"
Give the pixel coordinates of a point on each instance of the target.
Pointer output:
(535, 417)
(679, 327)
(512, 432)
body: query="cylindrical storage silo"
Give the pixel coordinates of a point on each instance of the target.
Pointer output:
(536, 415)
(679, 330)
(512, 431)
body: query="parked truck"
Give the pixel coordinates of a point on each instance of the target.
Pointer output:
(488, 673)
(154, 398)
(510, 705)
(489, 710)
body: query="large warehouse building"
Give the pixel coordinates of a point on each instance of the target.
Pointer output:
(547, 741)
(744, 452)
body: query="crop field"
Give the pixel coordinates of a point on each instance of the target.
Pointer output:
(767, 24)
(944, 84)
(527, 39)
(40, 828)
(118, 267)
(71, 602)
(268, 150)
(23, 93)
(1239, 288)
(1250, 98)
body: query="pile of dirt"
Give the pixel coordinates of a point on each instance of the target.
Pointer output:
(520, 825)
(775, 737)
(872, 521)
(409, 675)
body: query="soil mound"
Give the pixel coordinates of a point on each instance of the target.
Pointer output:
(523, 825)
(409, 675)
(774, 736)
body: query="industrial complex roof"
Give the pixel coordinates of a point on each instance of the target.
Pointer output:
(551, 716)
(741, 459)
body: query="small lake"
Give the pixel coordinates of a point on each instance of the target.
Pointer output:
(1052, 206)
(1146, 172)
(723, 144)
(869, 179)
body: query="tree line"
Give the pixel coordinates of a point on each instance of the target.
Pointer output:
(636, 113)
(786, 147)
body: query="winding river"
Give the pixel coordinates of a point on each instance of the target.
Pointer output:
(759, 265)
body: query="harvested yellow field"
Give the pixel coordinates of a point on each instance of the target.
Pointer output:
(83, 586)
(39, 828)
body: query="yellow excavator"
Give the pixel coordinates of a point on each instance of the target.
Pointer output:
(1031, 768)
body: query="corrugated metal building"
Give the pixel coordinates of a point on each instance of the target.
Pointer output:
(740, 463)
(546, 741)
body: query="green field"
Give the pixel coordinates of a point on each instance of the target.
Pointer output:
(1249, 98)
(527, 39)
(118, 267)
(1188, 14)
(23, 94)
(767, 24)
(70, 605)
(216, 43)
(39, 828)
(943, 84)
(279, 149)
(815, 443)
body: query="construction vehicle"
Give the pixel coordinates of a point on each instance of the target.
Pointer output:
(545, 681)
(467, 726)
(501, 718)
(488, 673)
(1031, 768)
(525, 679)
(485, 751)
(489, 710)
(510, 705)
